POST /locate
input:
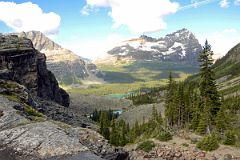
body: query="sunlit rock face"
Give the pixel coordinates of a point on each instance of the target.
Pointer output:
(68, 67)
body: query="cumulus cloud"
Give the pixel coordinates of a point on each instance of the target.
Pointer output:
(139, 16)
(224, 3)
(93, 48)
(28, 16)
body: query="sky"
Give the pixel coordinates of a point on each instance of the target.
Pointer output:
(92, 27)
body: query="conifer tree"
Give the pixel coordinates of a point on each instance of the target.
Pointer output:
(202, 125)
(104, 125)
(180, 106)
(160, 119)
(114, 137)
(221, 121)
(154, 113)
(210, 101)
(169, 112)
(122, 132)
(137, 129)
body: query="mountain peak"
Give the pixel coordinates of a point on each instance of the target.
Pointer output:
(40, 41)
(147, 38)
(68, 67)
(181, 45)
(182, 32)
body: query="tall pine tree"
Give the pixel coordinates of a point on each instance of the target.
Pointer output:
(210, 101)
(170, 108)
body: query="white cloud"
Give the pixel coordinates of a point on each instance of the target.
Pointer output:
(221, 41)
(140, 16)
(92, 48)
(85, 11)
(237, 2)
(196, 4)
(224, 3)
(99, 3)
(28, 16)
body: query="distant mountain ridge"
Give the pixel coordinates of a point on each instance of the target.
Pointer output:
(227, 73)
(229, 65)
(68, 67)
(180, 46)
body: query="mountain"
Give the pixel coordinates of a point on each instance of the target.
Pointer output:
(227, 71)
(68, 67)
(180, 46)
(148, 59)
(229, 64)
(35, 120)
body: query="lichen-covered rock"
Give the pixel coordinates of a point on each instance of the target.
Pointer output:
(21, 62)
(41, 139)
(98, 144)
(10, 118)
(26, 139)
(44, 139)
(50, 109)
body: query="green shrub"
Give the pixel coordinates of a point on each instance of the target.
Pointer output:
(208, 143)
(164, 136)
(146, 146)
(229, 138)
(32, 112)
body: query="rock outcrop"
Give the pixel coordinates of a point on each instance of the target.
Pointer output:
(21, 62)
(68, 67)
(32, 125)
(188, 152)
(25, 138)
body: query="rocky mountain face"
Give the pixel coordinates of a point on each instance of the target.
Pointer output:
(227, 72)
(22, 63)
(180, 46)
(32, 125)
(68, 67)
(233, 56)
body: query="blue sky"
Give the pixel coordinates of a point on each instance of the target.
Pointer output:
(91, 27)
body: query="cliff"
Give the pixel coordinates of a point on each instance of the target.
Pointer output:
(32, 125)
(21, 62)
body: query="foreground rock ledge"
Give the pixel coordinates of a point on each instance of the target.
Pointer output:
(45, 139)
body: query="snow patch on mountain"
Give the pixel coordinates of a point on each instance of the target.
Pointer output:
(181, 45)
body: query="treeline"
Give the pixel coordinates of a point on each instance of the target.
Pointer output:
(182, 100)
(146, 96)
(98, 115)
(199, 107)
(191, 105)
(119, 133)
(195, 104)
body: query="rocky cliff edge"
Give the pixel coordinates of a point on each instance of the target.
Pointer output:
(21, 62)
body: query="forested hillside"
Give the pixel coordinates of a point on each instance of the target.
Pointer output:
(195, 107)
